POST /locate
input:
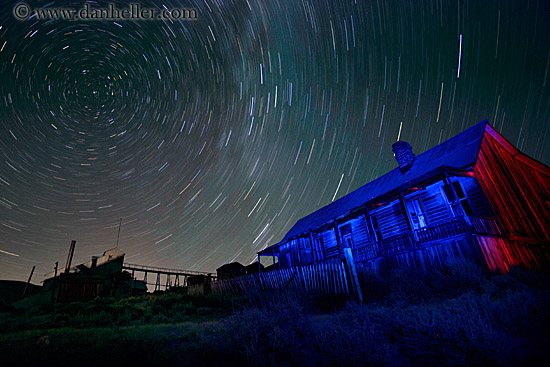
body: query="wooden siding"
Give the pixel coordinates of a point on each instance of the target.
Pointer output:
(391, 219)
(426, 258)
(359, 231)
(330, 243)
(479, 204)
(78, 291)
(434, 204)
(306, 252)
(501, 254)
(295, 252)
(285, 255)
(517, 187)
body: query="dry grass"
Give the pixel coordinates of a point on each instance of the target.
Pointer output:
(462, 317)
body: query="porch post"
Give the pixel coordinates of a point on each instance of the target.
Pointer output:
(407, 216)
(279, 263)
(313, 249)
(337, 237)
(372, 235)
(349, 264)
(259, 264)
(456, 202)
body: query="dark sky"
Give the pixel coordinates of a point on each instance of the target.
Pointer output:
(210, 138)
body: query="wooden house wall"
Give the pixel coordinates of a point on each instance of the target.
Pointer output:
(78, 291)
(284, 258)
(479, 204)
(435, 205)
(501, 254)
(426, 259)
(518, 189)
(330, 243)
(295, 252)
(306, 252)
(359, 231)
(391, 219)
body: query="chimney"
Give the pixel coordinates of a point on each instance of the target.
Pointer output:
(404, 155)
(70, 257)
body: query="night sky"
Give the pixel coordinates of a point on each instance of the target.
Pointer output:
(210, 138)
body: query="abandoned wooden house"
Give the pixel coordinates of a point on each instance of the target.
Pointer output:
(474, 196)
(102, 276)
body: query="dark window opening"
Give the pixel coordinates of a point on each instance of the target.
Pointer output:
(418, 216)
(449, 193)
(319, 248)
(347, 239)
(466, 206)
(377, 231)
(345, 230)
(460, 197)
(459, 191)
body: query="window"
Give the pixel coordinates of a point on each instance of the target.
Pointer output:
(288, 259)
(345, 232)
(449, 193)
(377, 231)
(460, 197)
(306, 256)
(319, 248)
(463, 199)
(418, 216)
(285, 256)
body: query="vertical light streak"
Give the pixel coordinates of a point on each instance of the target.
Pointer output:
(440, 97)
(459, 57)
(338, 188)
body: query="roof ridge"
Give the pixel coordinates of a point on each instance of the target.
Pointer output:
(467, 142)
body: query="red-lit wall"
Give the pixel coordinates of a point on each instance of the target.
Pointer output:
(517, 187)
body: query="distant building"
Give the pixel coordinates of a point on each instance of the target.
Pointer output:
(198, 284)
(230, 270)
(102, 276)
(254, 268)
(474, 196)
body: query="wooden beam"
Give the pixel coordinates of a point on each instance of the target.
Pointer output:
(28, 281)
(313, 249)
(337, 234)
(406, 211)
(53, 283)
(456, 200)
(407, 215)
(70, 257)
(352, 273)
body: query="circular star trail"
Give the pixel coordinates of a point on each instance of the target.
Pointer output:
(211, 137)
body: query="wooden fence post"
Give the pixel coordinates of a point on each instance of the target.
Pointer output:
(352, 273)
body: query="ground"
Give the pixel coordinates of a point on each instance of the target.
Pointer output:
(462, 317)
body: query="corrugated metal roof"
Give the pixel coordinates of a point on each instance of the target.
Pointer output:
(458, 152)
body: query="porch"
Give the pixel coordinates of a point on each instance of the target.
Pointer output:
(409, 240)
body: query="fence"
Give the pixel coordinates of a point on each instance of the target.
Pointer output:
(443, 230)
(485, 225)
(328, 278)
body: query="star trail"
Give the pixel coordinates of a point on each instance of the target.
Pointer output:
(211, 137)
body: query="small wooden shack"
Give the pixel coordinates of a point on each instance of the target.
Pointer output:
(231, 270)
(474, 196)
